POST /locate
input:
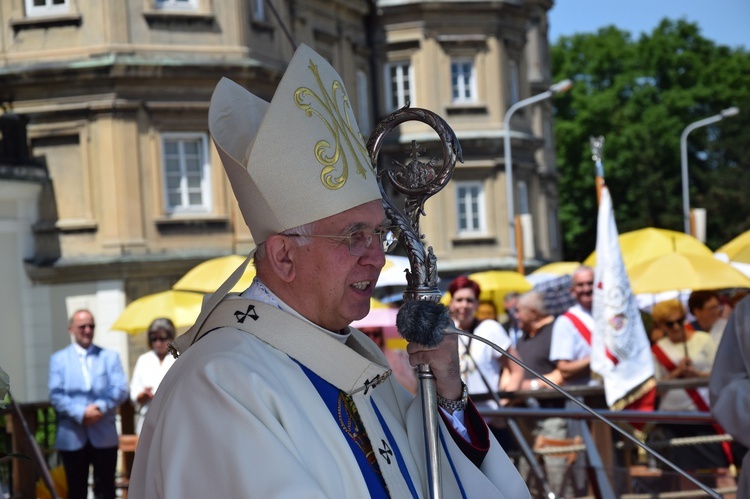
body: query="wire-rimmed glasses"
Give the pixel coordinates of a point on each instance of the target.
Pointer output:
(360, 241)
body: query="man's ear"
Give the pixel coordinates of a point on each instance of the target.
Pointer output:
(280, 256)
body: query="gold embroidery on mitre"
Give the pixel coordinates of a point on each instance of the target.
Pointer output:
(345, 140)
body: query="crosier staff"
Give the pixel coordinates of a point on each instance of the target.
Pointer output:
(418, 181)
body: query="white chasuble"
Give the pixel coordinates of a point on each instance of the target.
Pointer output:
(238, 416)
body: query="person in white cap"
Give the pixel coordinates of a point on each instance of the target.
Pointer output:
(274, 395)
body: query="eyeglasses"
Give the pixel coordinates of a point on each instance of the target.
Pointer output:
(679, 322)
(360, 241)
(154, 339)
(584, 283)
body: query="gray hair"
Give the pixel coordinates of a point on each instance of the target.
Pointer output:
(582, 268)
(534, 301)
(303, 230)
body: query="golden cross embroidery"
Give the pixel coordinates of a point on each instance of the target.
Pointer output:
(348, 146)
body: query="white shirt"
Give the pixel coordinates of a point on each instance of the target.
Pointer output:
(701, 350)
(83, 356)
(567, 343)
(482, 358)
(148, 372)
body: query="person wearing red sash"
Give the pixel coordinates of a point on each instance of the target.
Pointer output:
(570, 347)
(684, 354)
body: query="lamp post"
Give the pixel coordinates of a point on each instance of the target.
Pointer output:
(726, 113)
(556, 88)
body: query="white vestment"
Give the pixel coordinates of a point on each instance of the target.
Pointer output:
(730, 386)
(237, 416)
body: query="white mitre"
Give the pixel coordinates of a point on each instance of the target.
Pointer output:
(300, 158)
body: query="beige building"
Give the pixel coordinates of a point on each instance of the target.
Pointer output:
(131, 194)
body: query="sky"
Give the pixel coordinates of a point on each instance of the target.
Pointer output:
(726, 22)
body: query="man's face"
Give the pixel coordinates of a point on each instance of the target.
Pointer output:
(332, 287)
(583, 288)
(82, 329)
(708, 314)
(463, 307)
(525, 318)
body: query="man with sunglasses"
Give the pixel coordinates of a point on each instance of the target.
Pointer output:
(86, 386)
(274, 395)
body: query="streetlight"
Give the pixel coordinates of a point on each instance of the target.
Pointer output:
(726, 113)
(556, 88)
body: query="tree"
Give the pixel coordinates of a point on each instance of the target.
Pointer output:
(640, 95)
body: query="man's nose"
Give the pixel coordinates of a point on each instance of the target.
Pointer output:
(374, 255)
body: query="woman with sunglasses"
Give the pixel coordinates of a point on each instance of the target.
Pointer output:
(151, 367)
(682, 354)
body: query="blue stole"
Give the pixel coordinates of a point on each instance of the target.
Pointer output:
(343, 410)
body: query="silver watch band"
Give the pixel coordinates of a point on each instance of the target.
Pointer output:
(455, 405)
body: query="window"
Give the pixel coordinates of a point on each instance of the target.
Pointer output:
(463, 80)
(398, 85)
(470, 206)
(187, 182)
(46, 7)
(176, 4)
(514, 84)
(259, 10)
(363, 103)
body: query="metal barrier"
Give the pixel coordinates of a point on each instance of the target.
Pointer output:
(599, 449)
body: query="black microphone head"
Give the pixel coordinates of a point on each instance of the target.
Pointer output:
(423, 322)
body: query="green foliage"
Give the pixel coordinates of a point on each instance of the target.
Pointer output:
(47, 427)
(640, 95)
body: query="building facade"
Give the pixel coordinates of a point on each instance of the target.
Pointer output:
(115, 93)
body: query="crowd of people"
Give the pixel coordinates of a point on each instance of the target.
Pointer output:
(684, 346)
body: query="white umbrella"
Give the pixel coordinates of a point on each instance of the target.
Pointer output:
(393, 273)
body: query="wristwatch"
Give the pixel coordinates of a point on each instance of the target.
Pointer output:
(534, 384)
(455, 405)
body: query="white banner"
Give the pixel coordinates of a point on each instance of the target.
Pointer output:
(620, 349)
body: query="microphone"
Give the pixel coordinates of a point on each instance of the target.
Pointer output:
(427, 323)
(423, 322)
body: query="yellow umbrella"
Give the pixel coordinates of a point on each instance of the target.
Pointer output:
(645, 244)
(557, 268)
(678, 271)
(495, 284)
(182, 307)
(738, 249)
(206, 277)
